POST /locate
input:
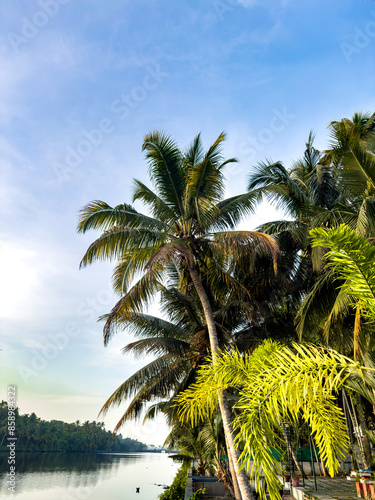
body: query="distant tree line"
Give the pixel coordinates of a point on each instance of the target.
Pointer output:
(35, 434)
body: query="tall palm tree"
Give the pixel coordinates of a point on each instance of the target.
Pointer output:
(350, 158)
(190, 226)
(180, 344)
(351, 259)
(351, 155)
(307, 193)
(322, 189)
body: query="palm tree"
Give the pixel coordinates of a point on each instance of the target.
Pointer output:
(277, 383)
(204, 444)
(351, 155)
(188, 440)
(179, 346)
(351, 260)
(309, 189)
(322, 189)
(191, 226)
(308, 194)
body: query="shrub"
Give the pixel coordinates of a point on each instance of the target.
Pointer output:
(177, 488)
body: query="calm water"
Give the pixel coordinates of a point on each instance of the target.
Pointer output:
(59, 476)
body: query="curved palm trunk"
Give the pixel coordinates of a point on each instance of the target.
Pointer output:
(236, 489)
(243, 481)
(237, 492)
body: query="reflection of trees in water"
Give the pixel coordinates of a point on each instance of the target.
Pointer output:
(39, 471)
(46, 462)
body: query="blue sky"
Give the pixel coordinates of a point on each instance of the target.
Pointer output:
(81, 83)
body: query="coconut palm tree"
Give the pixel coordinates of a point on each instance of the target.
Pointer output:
(322, 189)
(190, 226)
(351, 155)
(308, 194)
(180, 344)
(203, 444)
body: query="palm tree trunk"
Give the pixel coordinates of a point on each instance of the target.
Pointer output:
(236, 487)
(233, 452)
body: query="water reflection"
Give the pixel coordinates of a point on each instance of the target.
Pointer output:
(83, 475)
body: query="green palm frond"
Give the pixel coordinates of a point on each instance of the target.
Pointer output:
(366, 217)
(155, 380)
(340, 310)
(194, 153)
(98, 215)
(158, 347)
(130, 267)
(350, 148)
(114, 243)
(146, 377)
(181, 308)
(275, 384)
(204, 189)
(139, 295)
(165, 169)
(231, 211)
(351, 259)
(154, 410)
(204, 184)
(220, 281)
(359, 170)
(171, 251)
(313, 303)
(296, 230)
(156, 388)
(278, 186)
(214, 153)
(143, 326)
(159, 207)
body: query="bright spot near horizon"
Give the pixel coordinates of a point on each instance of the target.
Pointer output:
(17, 276)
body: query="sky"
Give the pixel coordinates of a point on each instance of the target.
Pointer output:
(81, 83)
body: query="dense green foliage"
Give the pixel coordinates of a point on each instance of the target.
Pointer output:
(35, 434)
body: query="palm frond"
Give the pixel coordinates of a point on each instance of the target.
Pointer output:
(114, 243)
(132, 303)
(236, 243)
(158, 347)
(276, 384)
(181, 308)
(143, 325)
(98, 215)
(165, 169)
(278, 187)
(351, 259)
(310, 303)
(231, 211)
(194, 153)
(159, 208)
